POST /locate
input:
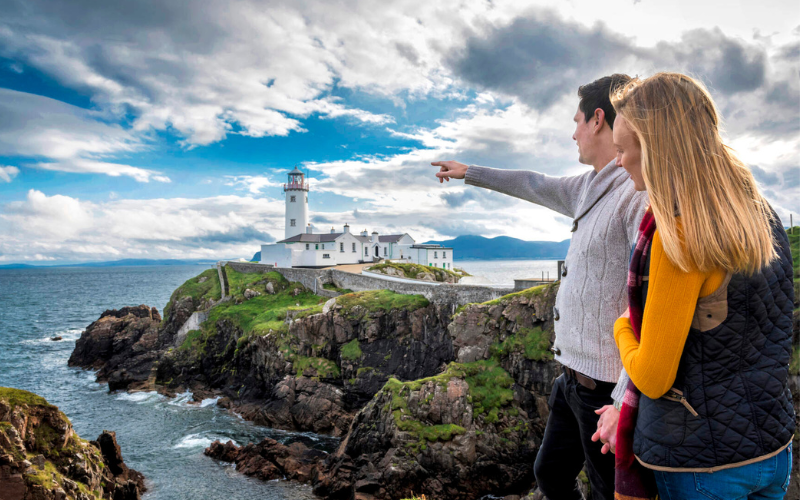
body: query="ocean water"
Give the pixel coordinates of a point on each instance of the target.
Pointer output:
(161, 437)
(504, 272)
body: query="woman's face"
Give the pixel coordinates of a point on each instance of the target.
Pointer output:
(629, 152)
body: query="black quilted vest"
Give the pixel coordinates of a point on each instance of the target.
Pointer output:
(733, 373)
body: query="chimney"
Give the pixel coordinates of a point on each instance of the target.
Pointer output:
(374, 236)
(309, 230)
(332, 230)
(347, 228)
(364, 233)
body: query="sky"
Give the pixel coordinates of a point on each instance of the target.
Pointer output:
(149, 129)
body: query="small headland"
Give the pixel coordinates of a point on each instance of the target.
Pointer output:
(41, 457)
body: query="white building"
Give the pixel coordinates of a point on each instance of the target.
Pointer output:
(303, 248)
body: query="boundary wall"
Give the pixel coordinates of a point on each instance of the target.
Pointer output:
(313, 279)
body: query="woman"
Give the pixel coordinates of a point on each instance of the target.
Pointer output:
(707, 338)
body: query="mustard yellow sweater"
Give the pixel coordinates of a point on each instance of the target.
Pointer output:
(671, 300)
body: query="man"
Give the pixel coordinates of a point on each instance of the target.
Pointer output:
(606, 211)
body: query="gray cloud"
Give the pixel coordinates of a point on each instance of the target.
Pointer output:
(764, 177)
(236, 235)
(537, 58)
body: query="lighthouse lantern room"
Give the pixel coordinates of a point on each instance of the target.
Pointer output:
(296, 191)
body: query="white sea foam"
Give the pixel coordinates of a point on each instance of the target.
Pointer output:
(182, 399)
(139, 397)
(208, 402)
(199, 441)
(68, 335)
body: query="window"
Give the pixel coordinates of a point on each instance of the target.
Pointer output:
(316, 246)
(326, 256)
(366, 252)
(293, 199)
(306, 198)
(341, 247)
(293, 222)
(307, 246)
(444, 255)
(354, 247)
(435, 255)
(385, 250)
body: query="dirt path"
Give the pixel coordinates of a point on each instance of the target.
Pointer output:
(351, 268)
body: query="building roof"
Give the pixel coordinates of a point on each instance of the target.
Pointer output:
(390, 238)
(295, 171)
(312, 238)
(432, 247)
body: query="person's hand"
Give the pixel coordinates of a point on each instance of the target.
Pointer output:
(627, 313)
(450, 170)
(607, 428)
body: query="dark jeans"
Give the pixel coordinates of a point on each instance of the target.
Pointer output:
(567, 442)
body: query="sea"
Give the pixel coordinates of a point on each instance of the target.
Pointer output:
(161, 437)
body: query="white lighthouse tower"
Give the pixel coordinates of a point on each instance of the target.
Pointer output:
(296, 191)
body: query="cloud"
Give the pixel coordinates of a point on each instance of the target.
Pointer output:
(70, 229)
(7, 174)
(71, 138)
(204, 70)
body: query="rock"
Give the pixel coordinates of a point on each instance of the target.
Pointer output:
(56, 338)
(40, 429)
(122, 345)
(270, 459)
(249, 294)
(270, 289)
(203, 279)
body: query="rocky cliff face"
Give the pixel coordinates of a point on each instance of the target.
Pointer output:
(122, 345)
(41, 457)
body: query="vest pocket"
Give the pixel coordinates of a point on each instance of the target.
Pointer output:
(660, 421)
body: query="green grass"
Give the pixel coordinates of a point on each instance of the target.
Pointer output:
(794, 364)
(380, 300)
(16, 397)
(257, 316)
(209, 289)
(505, 299)
(489, 389)
(532, 342)
(414, 270)
(239, 282)
(332, 287)
(325, 368)
(351, 350)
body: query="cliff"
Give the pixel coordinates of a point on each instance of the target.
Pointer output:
(41, 457)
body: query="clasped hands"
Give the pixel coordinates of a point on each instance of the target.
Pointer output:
(607, 428)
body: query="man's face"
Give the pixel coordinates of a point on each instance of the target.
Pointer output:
(584, 138)
(629, 152)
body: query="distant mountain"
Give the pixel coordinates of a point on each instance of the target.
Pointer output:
(15, 266)
(471, 247)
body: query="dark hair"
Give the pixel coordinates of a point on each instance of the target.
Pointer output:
(596, 95)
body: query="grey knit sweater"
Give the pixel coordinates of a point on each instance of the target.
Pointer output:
(607, 211)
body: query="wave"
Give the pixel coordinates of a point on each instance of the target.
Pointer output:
(139, 397)
(67, 335)
(200, 441)
(209, 402)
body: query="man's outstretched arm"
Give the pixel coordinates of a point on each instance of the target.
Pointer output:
(561, 194)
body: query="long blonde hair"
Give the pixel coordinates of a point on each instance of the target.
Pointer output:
(688, 171)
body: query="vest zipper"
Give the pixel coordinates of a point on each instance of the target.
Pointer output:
(676, 395)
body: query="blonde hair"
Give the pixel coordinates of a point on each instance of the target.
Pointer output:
(688, 171)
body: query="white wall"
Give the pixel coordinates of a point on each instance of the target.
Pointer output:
(297, 210)
(277, 254)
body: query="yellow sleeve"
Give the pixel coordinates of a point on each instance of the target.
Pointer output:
(671, 301)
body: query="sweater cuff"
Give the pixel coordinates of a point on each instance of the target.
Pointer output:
(619, 391)
(475, 176)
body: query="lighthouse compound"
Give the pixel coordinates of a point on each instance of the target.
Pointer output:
(301, 247)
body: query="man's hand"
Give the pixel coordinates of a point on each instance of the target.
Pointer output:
(450, 170)
(607, 428)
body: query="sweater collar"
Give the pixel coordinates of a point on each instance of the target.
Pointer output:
(600, 183)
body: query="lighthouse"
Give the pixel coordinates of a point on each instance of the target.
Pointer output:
(296, 191)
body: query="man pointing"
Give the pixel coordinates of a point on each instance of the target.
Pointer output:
(606, 211)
